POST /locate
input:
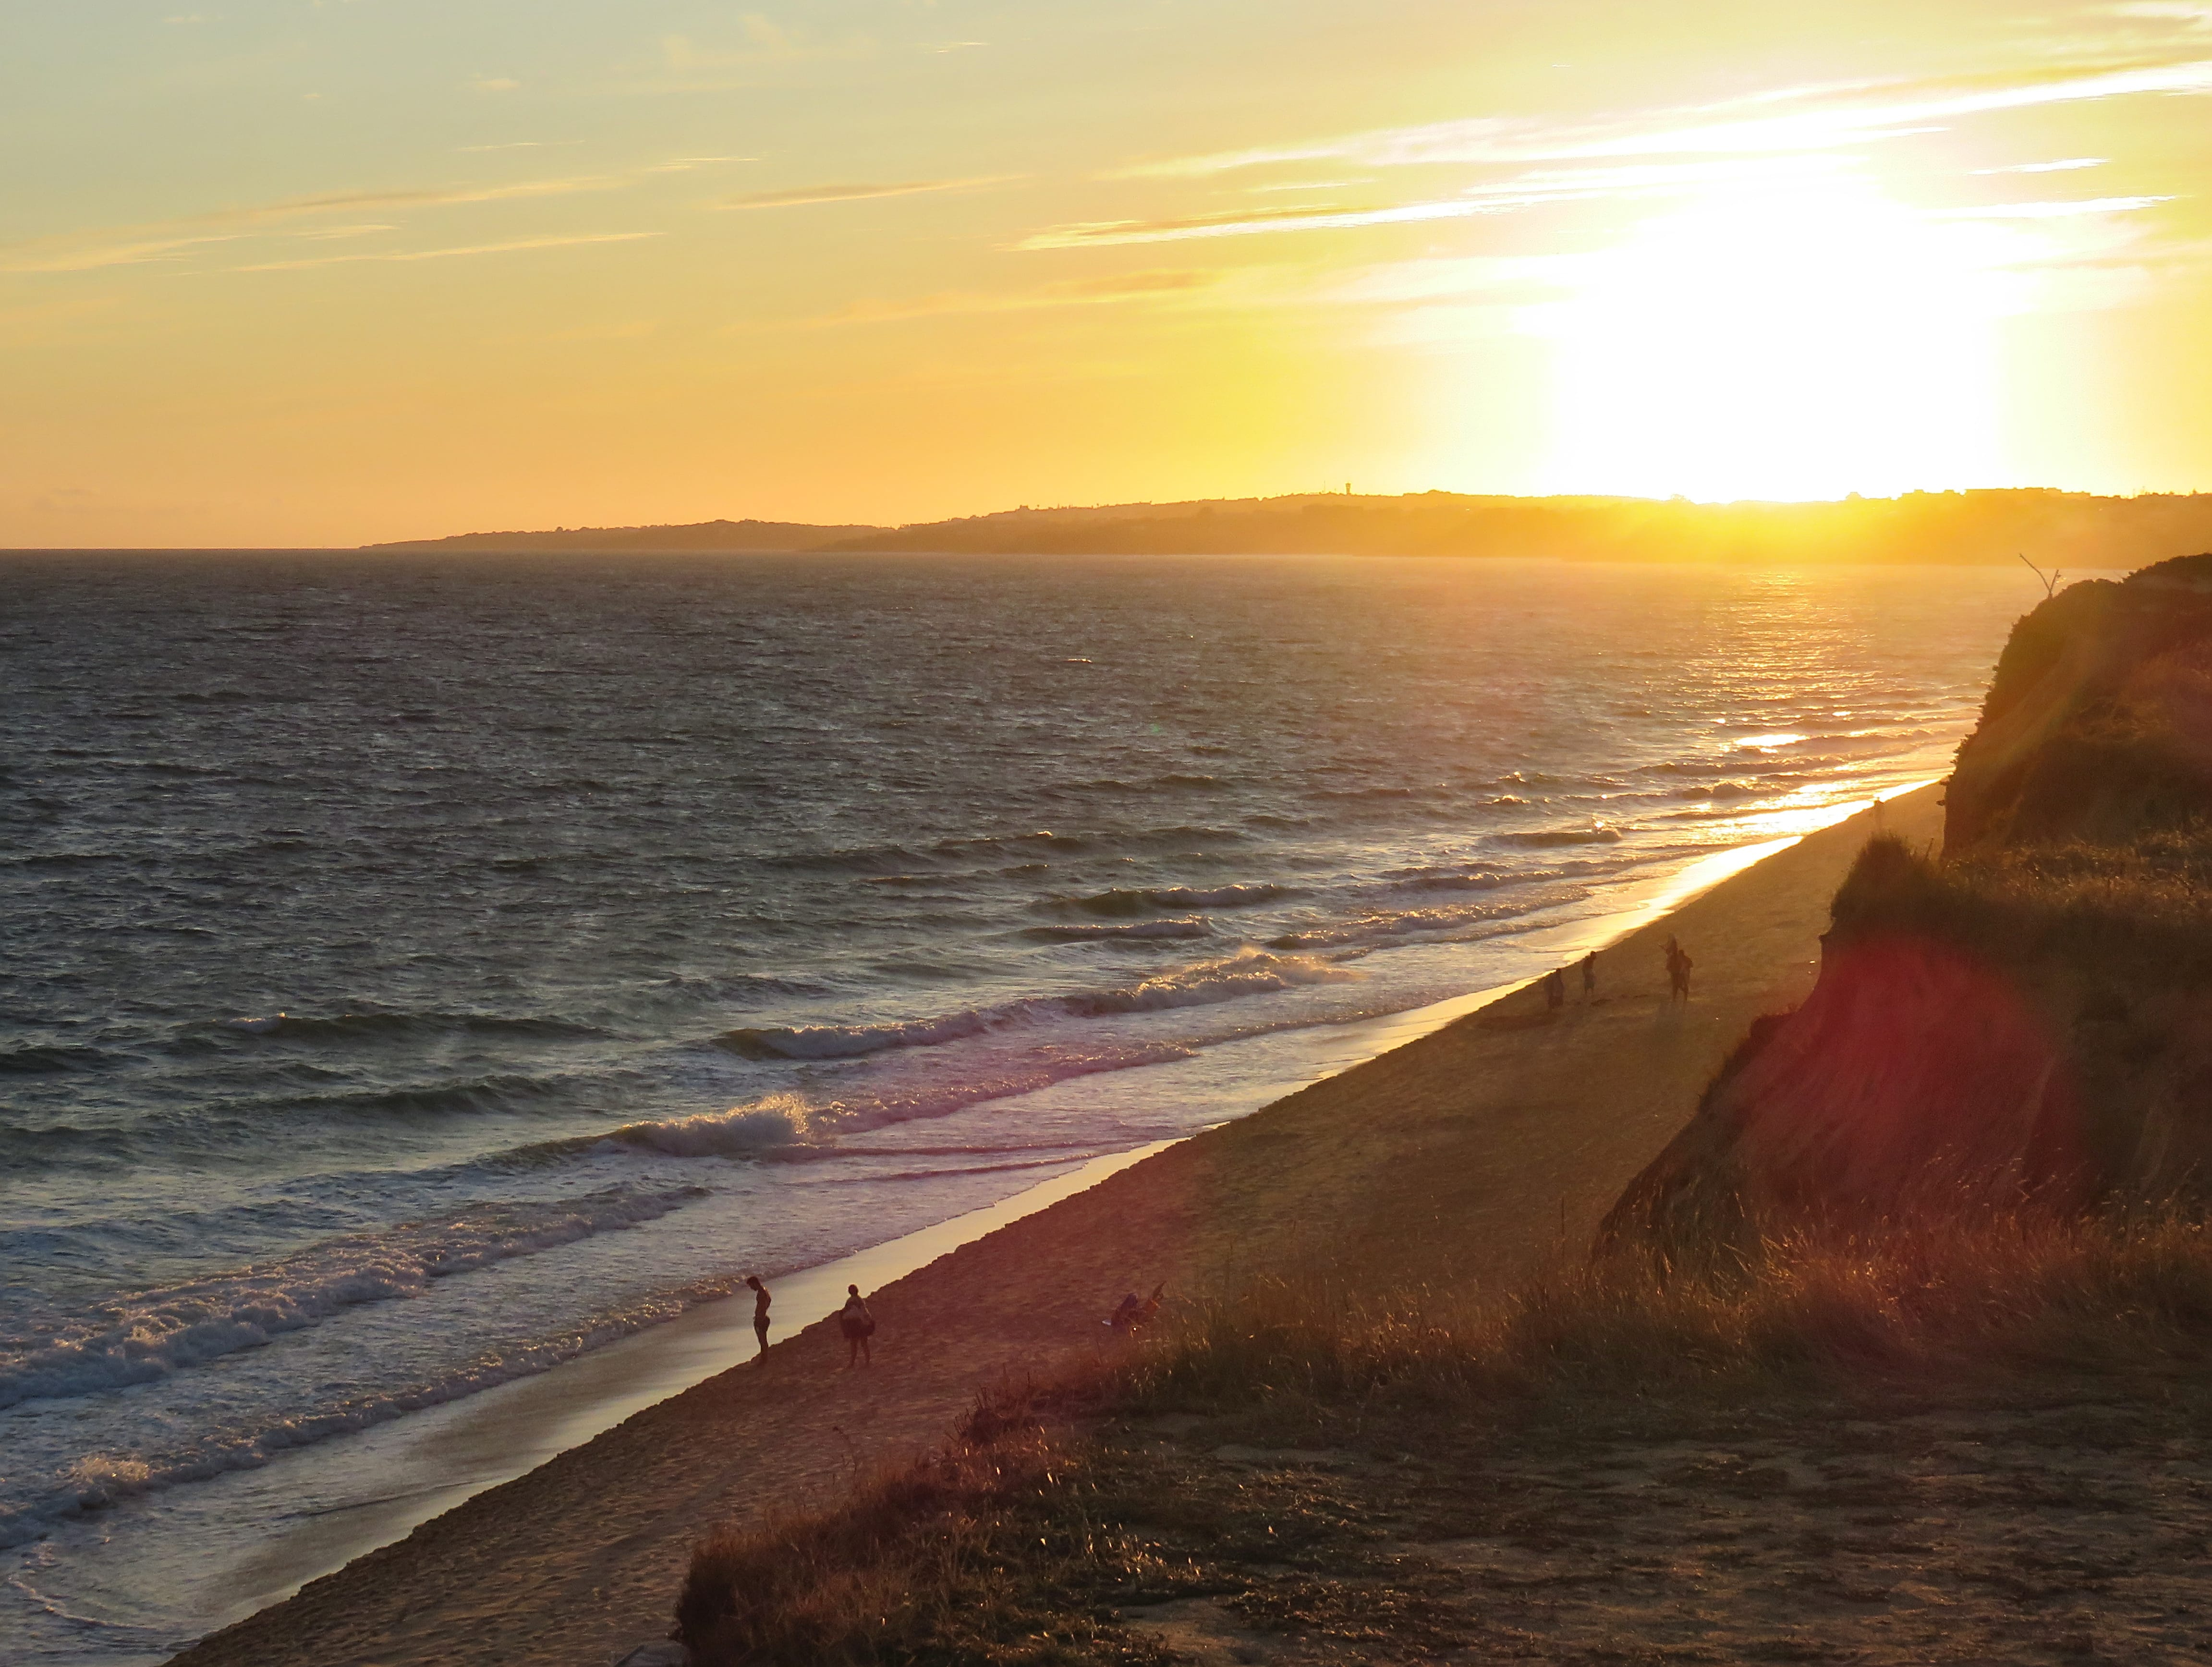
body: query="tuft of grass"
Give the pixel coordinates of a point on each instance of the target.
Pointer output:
(966, 1556)
(2139, 912)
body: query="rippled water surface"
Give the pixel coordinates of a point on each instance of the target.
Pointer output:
(419, 970)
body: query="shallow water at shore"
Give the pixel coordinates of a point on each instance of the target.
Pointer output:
(432, 971)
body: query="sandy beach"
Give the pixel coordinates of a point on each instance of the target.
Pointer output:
(1475, 1152)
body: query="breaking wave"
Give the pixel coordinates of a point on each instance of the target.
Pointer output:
(138, 1336)
(99, 1481)
(779, 1120)
(1249, 971)
(1593, 833)
(399, 1027)
(1142, 900)
(1137, 930)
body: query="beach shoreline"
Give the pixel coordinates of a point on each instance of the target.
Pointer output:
(435, 1460)
(1202, 1209)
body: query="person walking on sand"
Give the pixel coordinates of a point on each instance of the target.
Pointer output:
(1677, 972)
(760, 1311)
(1589, 977)
(1555, 990)
(858, 1325)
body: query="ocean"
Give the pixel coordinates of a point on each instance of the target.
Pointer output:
(421, 971)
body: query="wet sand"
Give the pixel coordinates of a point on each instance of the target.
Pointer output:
(1477, 1152)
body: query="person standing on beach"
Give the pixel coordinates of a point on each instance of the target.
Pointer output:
(1589, 977)
(1677, 970)
(1555, 990)
(858, 1325)
(760, 1310)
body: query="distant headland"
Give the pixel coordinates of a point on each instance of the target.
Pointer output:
(2069, 530)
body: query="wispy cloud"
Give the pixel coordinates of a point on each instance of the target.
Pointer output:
(1100, 233)
(1544, 187)
(409, 255)
(2192, 14)
(292, 208)
(493, 83)
(799, 196)
(2058, 210)
(1708, 130)
(170, 240)
(2061, 167)
(56, 255)
(1116, 289)
(1531, 188)
(685, 164)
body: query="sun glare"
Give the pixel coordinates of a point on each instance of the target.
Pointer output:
(1797, 343)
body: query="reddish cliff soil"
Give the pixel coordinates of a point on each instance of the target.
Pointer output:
(2026, 1018)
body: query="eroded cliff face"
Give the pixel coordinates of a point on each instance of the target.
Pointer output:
(2027, 1016)
(2098, 725)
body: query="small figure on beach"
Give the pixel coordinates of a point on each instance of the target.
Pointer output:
(1589, 977)
(1555, 990)
(760, 1310)
(858, 1325)
(1677, 970)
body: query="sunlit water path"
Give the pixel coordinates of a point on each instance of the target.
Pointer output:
(420, 971)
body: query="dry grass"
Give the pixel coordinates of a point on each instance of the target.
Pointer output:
(912, 1565)
(1957, 1301)
(2139, 913)
(1017, 1544)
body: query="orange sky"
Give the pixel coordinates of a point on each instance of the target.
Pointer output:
(324, 272)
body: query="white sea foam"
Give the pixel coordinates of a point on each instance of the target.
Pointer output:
(97, 1481)
(778, 1119)
(788, 1125)
(1457, 921)
(1249, 971)
(138, 1336)
(1590, 833)
(1135, 931)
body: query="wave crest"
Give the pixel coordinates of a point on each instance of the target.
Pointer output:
(1249, 971)
(399, 1026)
(1136, 930)
(1591, 833)
(743, 1131)
(138, 1336)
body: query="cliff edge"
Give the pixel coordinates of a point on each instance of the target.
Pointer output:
(2024, 1017)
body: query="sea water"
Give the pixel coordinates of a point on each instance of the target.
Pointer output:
(418, 971)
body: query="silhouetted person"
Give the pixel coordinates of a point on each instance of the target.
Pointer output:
(1677, 972)
(858, 1325)
(1555, 990)
(1589, 977)
(760, 1310)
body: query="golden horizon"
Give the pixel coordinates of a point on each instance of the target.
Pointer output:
(322, 278)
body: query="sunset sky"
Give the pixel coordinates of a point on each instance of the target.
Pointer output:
(324, 271)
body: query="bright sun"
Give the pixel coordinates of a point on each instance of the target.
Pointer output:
(1793, 344)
